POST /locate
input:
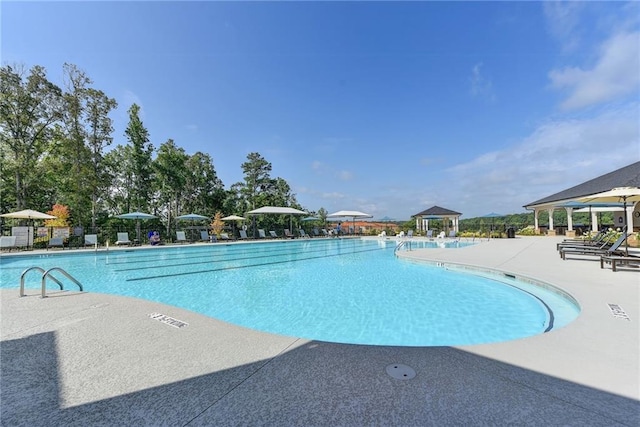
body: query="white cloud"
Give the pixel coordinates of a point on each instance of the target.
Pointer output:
(333, 196)
(131, 98)
(563, 18)
(345, 175)
(317, 165)
(480, 85)
(556, 156)
(615, 74)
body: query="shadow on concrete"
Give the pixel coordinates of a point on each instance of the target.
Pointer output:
(316, 383)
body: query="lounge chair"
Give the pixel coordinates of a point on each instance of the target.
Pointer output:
(7, 242)
(181, 237)
(325, 233)
(410, 233)
(261, 233)
(631, 261)
(288, 234)
(90, 239)
(601, 239)
(273, 234)
(224, 236)
(603, 244)
(243, 235)
(599, 236)
(316, 232)
(430, 234)
(303, 234)
(55, 242)
(123, 239)
(613, 250)
(205, 237)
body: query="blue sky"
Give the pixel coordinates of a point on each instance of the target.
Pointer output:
(384, 107)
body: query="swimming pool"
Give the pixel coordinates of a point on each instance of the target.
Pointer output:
(337, 290)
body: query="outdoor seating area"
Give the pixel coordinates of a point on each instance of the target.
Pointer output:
(597, 251)
(7, 243)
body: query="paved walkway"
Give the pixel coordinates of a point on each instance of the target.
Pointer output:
(79, 359)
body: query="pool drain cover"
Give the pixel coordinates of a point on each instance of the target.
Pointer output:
(401, 372)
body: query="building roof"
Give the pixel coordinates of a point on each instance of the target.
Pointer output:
(437, 211)
(628, 176)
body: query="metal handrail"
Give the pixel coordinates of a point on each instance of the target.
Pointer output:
(45, 274)
(34, 268)
(48, 273)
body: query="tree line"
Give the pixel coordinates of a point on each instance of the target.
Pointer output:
(56, 148)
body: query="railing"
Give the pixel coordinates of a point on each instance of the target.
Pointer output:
(404, 243)
(46, 274)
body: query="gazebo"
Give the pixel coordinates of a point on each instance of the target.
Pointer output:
(450, 218)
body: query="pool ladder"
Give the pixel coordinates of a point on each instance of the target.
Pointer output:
(406, 243)
(45, 274)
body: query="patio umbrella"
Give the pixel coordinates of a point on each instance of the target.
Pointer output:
(137, 216)
(192, 217)
(282, 210)
(310, 218)
(233, 218)
(619, 195)
(28, 214)
(350, 214)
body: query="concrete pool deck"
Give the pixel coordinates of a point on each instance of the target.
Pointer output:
(94, 359)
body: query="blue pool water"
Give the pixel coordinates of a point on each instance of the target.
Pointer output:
(337, 290)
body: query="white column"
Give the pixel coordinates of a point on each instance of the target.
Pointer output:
(630, 218)
(550, 212)
(569, 219)
(594, 221)
(536, 226)
(418, 223)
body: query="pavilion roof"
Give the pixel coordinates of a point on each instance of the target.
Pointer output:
(437, 211)
(628, 176)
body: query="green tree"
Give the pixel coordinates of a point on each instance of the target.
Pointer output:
(256, 179)
(234, 203)
(72, 151)
(99, 131)
(204, 190)
(141, 161)
(118, 164)
(29, 107)
(322, 215)
(171, 177)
